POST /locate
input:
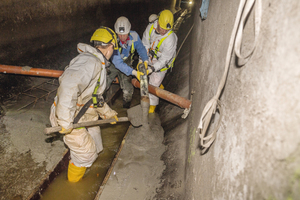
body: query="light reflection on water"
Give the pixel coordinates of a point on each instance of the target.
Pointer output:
(87, 188)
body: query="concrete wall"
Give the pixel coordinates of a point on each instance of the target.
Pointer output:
(44, 34)
(27, 26)
(256, 152)
(30, 26)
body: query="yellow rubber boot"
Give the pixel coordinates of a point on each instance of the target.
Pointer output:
(152, 109)
(75, 173)
(161, 86)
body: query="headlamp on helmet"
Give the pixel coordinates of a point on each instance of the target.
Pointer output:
(122, 26)
(166, 19)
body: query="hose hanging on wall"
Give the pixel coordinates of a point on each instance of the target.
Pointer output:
(236, 38)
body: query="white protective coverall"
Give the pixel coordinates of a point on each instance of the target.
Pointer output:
(165, 55)
(77, 85)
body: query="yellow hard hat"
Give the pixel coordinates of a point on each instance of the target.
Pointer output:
(106, 36)
(166, 19)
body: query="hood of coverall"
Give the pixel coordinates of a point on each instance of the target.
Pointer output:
(85, 48)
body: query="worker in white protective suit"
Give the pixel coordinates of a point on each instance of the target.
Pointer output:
(81, 86)
(161, 43)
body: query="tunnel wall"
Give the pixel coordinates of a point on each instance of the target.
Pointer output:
(44, 34)
(28, 26)
(31, 26)
(256, 152)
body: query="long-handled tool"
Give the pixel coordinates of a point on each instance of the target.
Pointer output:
(132, 118)
(145, 102)
(83, 124)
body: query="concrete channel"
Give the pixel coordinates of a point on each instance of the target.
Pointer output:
(140, 141)
(240, 139)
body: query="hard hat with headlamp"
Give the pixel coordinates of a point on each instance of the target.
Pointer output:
(104, 36)
(122, 26)
(166, 19)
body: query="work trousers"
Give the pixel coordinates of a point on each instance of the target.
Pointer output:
(125, 82)
(156, 79)
(85, 143)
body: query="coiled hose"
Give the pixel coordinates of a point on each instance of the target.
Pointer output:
(214, 104)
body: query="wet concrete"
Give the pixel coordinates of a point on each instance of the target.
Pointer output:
(136, 174)
(26, 157)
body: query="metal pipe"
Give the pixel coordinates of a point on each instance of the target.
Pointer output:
(164, 94)
(9, 69)
(168, 96)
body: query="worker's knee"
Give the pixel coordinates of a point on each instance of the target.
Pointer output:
(126, 84)
(127, 94)
(156, 79)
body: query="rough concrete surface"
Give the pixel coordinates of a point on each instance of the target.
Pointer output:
(37, 25)
(132, 180)
(25, 155)
(256, 153)
(175, 137)
(136, 174)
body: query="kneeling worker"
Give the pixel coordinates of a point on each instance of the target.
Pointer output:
(79, 100)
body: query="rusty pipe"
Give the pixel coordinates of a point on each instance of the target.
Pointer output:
(164, 94)
(9, 69)
(168, 96)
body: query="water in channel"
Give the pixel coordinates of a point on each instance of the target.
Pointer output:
(87, 188)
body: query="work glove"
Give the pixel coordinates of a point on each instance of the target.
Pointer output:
(65, 131)
(116, 118)
(146, 64)
(137, 74)
(137, 66)
(150, 69)
(106, 112)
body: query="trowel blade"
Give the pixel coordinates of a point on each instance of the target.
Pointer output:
(135, 115)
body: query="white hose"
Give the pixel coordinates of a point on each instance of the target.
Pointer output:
(236, 37)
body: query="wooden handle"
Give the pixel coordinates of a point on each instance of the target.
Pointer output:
(83, 124)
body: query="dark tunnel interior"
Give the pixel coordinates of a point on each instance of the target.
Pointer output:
(237, 67)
